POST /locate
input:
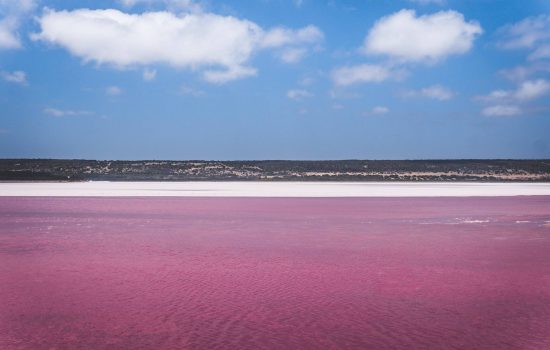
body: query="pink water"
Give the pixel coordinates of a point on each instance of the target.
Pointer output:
(268, 273)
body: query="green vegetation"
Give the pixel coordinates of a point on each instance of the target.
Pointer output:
(275, 170)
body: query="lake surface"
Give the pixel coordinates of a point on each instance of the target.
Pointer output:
(275, 273)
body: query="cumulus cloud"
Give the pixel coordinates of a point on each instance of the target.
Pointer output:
(113, 90)
(60, 113)
(363, 73)
(532, 89)
(406, 37)
(436, 92)
(17, 77)
(219, 46)
(12, 13)
(8, 35)
(540, 52)
(501, 111)
(523, 72)
(531, 33)
(232, 73)
(298, 95)
(121, 39)
(297, 43)
(507, 101)
(280, 36)
(495, 95)
(526, 91)
(293, 55)
(526, 33)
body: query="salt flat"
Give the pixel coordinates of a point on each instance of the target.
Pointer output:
(272, 189)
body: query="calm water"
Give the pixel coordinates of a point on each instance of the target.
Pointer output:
(268, 273)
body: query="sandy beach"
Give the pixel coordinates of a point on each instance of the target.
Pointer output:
(271, 189)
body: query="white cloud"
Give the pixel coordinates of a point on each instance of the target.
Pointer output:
(16, 6)
(380, 110)
(18, 77)
(280, 36)
(113, 91)
(521, 73)
(293, 55)
(501, 111)
(507, 100)
(496, 95)
(526, 33)
(12, 13)
(532, 89)
(223, 76)
(363, 73)
(8, 35)
(59, 113)
(220, 46)
(517, 73)
(298, 95)
(531, 33)
(436, 92)
(541, 52)
(405, 37)
(296, 42)
(149, 74)
(298, 3)
(121, 39)
(526, 91)
(429, 38)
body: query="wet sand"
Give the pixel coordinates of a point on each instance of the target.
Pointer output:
(275, 273)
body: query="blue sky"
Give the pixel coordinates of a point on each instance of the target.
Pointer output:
(274, 79)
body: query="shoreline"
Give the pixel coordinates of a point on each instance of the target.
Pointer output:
(271, 189)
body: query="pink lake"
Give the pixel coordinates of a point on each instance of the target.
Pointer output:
(275, 273)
